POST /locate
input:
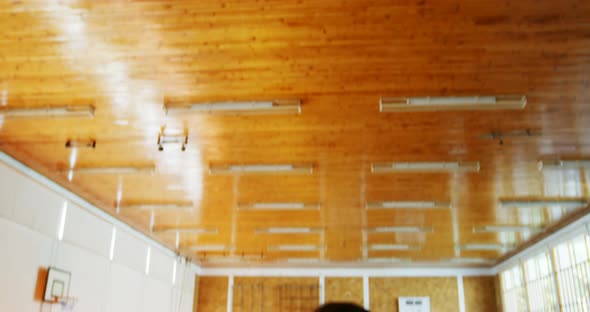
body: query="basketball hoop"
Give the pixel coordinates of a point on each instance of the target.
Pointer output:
(67, 303)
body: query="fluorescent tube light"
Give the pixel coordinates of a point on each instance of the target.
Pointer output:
(231, 259)
(505, 228)
(295, 248)
(444, 103)
(207, 248)
(159, 206)
(564, 164)
(437, 166)
(47, 111)
(400, 229)
(260, 169)
(288, 230)
(387, 247)
(543, 203)
(485, 247)
(278, 206)
(470, 260)
(187, 230)
(302, 260)
(244, 108)
(408, 205)
(114, 170)
(387, 260)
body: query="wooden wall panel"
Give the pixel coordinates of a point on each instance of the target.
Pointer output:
(480, 294)
(344, 289)
(212, 294)
(442, 291)
(196, 294)
(254, 294)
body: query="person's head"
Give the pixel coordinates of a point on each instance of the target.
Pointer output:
(340, 307)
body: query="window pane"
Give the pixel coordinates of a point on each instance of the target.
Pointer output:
(573, 275)
(513, 291)
(540, 284)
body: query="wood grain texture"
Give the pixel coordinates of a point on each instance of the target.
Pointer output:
(129, 59)
(480, 294)
(443, 292)
(212, 294)
(257, 294)
(344, 289)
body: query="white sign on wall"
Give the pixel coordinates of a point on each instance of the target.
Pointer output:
(414, 304)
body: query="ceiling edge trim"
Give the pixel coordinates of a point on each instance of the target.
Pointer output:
(346, 272)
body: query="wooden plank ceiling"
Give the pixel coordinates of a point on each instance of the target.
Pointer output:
(128, 59)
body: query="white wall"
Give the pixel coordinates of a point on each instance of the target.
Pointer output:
(31, 209)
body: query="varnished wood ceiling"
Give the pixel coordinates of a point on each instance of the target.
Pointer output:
(129, 59)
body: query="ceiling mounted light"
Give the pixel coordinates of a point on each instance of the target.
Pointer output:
(160, 206)
(463, 260)
(295, 248)
(506, 228)
(302, 260)
(238, 108)
(231, 259)
(564, 164)
(486, 247)
(261, 169)
(113, 170)
(543, 203)
(47, 111)
(278, 206)
(400, 229)
(288, 230)
(390, 247)
(408, 205)
(439, 166)
(383, 260)
(212, 248)
(187, 230)
(446, 103)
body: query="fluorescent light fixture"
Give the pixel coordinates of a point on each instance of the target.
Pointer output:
(400, 229)
(506, 228)
(113, 241)
(485, 247)
(437, 166)
(446, 103)
(159, 206)
(62, 221)
(388, 247)
(302, 260)
(187, 230)
(295, 248)
(114, 170)
(564, 164)
(543, 203)
(232, 259)
(408, 205)
(243, 108)
(261, 169)
(387, 260)
(278, 206)
(464, 260)
(47, 111)
(206, 248)
(288, 230)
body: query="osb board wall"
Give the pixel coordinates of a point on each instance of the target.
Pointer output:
(443, 293)
(277, 294)
(344, 289)
(480, 294)
(212, 294)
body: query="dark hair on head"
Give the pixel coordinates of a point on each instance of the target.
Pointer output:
(340, 307)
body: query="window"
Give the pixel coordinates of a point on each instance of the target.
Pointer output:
(513, 291)
(541, 284)
(573, 271)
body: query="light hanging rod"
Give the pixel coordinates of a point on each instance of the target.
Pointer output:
(544, 203)
(564, 164)
(447, 103)
(159, 206)
(113, 170)
(86, 111)
(278, 206)
(506, 228)
(261, 169)
(438, 166)
(408, 205)
(241, 108)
